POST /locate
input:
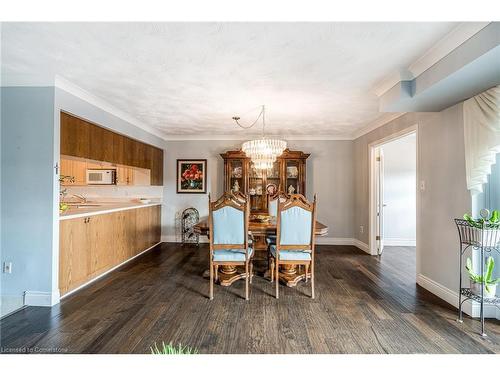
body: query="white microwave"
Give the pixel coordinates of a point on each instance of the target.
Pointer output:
(101, 176)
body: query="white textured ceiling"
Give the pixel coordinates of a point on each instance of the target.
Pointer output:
(191, 78)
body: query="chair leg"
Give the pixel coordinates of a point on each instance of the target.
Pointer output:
(251, 271)
(216, 273)
(271, 268)
(246, 280)
(211, 281)
(312, 280)
(277, 277)
(306, 269)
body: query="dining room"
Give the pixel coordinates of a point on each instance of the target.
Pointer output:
(214, 188)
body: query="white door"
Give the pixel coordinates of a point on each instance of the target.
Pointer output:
(379, 194)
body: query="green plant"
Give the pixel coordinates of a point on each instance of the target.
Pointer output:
(63, 178)
(485, 279)
(171, 349)
(493, 222)
(62, 192)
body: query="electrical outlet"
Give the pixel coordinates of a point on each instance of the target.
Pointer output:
(7, 267)
(422, 185)
(361, 229)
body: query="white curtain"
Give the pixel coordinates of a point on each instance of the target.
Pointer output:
(482, 137)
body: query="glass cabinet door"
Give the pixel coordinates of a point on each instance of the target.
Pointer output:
(292, 185)
(256, 190)
(236, 175)
(273, 179)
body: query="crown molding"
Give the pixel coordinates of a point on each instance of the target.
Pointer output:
(232, 137)
(381, 121)
(459, 35)
(77, 91)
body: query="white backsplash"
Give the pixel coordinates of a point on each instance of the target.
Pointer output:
(116, 192)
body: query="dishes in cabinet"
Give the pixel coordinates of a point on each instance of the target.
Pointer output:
(271, 189)
(292, 172)
(237, 172)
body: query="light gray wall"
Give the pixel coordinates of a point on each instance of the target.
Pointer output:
(441, 164)
(28, 183)
(329, 174)
(400, 172)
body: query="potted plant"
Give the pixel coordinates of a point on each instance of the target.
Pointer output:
(485, 281)
(489, 225)
(63, 191)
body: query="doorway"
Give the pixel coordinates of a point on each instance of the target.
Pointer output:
(393, 197)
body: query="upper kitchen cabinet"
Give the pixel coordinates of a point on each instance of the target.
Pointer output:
(75, 136)
(101, 145)
(119, 149)
(83, 139)
(156, 166)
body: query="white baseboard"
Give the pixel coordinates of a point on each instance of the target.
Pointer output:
(10, 304)
(361, 245)
(470, 308)
(108, 271)
(34, 298)
(399, 242)
(334, 241)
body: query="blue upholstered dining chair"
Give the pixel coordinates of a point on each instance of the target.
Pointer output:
(295, 227)
(272, 210)
(229, 241)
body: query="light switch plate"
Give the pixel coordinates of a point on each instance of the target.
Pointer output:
(7, 267)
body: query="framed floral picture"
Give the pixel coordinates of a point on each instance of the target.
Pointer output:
(191, 176)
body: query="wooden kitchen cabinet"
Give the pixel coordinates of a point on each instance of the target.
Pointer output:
(84, 139)
(101, 143)
(75, 136)
(119, 149)
(73, 168)
(74, 254)
(156, 166)
(92, 245)
(124, 176)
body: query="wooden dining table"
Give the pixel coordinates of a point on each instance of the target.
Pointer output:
(288, 274)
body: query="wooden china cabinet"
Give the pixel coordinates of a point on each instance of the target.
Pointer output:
(289, 170)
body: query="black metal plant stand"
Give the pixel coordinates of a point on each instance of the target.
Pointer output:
(190, 217)
(485, 240)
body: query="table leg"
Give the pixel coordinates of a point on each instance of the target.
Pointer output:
(291, 275)
(229, 274)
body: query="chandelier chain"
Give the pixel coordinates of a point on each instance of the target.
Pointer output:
(261, 114)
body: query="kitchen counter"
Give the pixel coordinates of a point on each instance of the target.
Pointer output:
(102, 208)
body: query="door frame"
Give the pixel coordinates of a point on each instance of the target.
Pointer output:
(372, 243)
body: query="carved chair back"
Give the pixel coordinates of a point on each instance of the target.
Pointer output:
(272, 203)
(228, 222)
(296, 224)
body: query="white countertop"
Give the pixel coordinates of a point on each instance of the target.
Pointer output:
(102, 208)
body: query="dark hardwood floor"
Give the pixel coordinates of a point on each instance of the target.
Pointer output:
(363, 305)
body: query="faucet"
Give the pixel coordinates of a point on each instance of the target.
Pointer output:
(81, 197)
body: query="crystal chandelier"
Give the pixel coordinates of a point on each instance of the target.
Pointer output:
(264, 151)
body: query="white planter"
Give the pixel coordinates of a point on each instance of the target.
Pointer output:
(476, 289)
